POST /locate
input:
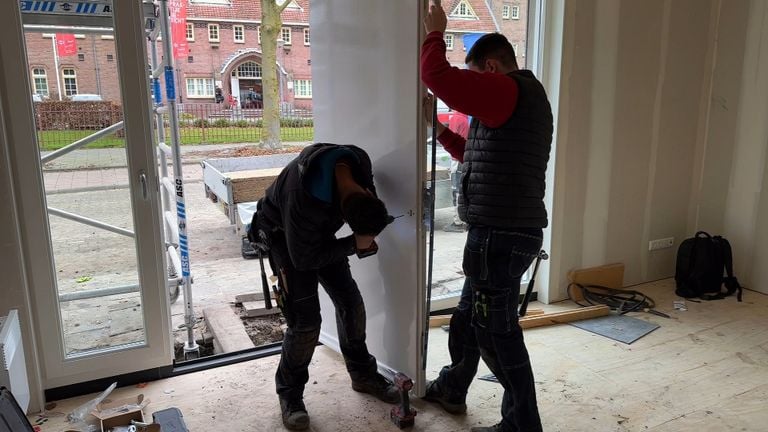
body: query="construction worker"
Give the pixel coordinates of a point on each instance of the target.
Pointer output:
(502, 200)
(324, 187)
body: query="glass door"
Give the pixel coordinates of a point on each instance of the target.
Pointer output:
(101, 300)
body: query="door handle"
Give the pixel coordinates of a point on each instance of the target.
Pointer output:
(144, 185)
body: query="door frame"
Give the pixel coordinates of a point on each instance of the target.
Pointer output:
(55, 369)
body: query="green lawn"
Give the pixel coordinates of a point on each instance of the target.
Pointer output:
(56, 139)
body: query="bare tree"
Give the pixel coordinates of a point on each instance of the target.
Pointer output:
(271, 25)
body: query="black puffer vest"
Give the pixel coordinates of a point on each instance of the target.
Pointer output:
(504, 168)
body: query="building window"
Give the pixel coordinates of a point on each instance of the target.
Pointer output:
(303, 89)
(70, 81)
(213, 32)
(110, 57)
(463, 10)
(200, 87)
(239, 32)
(258, 30)
(81, 57)
(41, 81)
(505, 11)
(190, 59)
(448, 41)
(515, 12)
(190, 32)
(306, 37)
(285, 34)
(249, 69)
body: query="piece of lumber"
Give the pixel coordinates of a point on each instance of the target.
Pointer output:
(266, 172)
(227, 329)
(251, 297)
(255, 309)
(609, 275)
(564, 317)
(441, 320)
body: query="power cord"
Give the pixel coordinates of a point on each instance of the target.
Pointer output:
(620, 300)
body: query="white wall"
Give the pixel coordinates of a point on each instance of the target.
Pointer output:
(632, 102)
(733, 196)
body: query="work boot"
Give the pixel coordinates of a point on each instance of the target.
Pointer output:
(494, 428)
(377, 385)
(435, 394)
(295, 416)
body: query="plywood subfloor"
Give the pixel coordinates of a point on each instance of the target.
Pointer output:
(704, 370)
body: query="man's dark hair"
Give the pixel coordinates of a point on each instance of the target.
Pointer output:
(365, 214)
(492, 46)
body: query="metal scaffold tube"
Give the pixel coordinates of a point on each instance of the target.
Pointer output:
(191, 349)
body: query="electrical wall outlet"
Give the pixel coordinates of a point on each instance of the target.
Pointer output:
(661, 243)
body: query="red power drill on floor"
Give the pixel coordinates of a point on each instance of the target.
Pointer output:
(403, 416)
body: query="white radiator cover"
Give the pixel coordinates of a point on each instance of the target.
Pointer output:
(13, 367)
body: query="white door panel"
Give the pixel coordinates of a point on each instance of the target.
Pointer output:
(366, 91)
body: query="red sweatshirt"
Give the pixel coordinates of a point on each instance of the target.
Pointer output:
(490, 97)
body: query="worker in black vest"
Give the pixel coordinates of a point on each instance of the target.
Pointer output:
(502, 200)
(324, 187)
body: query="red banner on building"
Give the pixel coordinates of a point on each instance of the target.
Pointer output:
(66, 45)
(178, 10)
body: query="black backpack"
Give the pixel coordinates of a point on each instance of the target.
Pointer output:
(699, 270)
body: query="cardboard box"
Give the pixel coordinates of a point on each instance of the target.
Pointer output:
(120, 412)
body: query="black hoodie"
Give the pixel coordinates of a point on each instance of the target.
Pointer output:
(309, 223)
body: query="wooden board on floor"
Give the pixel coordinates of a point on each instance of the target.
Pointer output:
(609, 275)
(253, 309)
(227, 329)
(251, 297)
(564, 317)
(441, 320)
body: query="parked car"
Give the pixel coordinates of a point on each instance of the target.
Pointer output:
(443, 112)
(84, 97)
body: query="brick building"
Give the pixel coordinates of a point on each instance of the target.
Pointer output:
(224, 45)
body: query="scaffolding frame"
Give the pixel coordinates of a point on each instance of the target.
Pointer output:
(174, 223)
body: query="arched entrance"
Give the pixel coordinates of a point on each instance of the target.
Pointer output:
(245, 82)
(243, 70)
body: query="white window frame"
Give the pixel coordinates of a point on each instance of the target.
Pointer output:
(242, 33)
(307, 37)
(44, 77)
(449, 37)
(289, 33)
(258, 31)
(190, 32)
(257, 70)
(468, 11)
(302, 89)
(291, 5)
(505, 11)
(218, 33)
(65, 76)
(515, 14)
(200, 87)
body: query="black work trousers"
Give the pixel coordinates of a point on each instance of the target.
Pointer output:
(485, 324)
(301, 308)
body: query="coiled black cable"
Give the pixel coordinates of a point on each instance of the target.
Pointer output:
(620, 300)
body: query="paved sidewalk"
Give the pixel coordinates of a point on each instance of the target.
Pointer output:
(93, 159)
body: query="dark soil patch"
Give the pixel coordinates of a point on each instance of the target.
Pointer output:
(263, 330)
(206, 349)
(245, 151)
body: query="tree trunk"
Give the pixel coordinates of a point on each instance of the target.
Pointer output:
(271, 24)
